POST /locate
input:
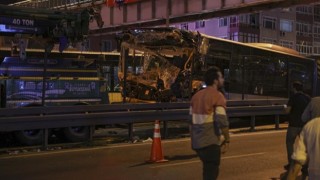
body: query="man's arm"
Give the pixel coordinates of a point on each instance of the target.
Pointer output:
(287, 109)
(222, 119)
(294, 170)
(225, 133)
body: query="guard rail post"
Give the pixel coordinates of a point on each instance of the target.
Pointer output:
(130, 131)
(91, 132)
(165, 129)
(252, 123)
(45, 138)
(277, 122)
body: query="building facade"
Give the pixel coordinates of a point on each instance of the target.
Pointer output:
(296, 28)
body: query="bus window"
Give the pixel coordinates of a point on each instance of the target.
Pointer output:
(302, 72)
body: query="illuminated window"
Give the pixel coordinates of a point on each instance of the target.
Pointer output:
(285, 25)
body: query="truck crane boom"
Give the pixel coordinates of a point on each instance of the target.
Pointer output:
(55, 26)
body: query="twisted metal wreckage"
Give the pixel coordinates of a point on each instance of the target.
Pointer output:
(162, 64)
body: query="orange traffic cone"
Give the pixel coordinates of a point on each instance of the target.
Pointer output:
(156, 149)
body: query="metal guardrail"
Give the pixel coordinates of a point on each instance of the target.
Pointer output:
(66, 116)
(70, 116)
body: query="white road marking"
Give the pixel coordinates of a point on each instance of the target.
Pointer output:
(126, 145)
(198, 161)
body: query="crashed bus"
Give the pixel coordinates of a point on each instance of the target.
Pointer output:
(168, 65)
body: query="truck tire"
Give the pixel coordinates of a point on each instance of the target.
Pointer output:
(29, 137)
(76, 134)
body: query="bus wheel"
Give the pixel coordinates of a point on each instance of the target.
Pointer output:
(76, 134)
(29, 137)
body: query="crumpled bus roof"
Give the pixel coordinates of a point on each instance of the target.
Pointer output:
(155, 37)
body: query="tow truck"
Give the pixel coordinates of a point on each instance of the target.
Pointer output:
(47, 27)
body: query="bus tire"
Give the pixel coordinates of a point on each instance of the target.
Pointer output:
(29, 137)
(76, 134)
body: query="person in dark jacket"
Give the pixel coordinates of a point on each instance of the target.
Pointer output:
(295, 107)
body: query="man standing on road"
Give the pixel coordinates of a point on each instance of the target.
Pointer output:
(295, 107)
(307, 151)
(209, 121)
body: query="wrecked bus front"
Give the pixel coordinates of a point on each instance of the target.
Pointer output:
(155, 64)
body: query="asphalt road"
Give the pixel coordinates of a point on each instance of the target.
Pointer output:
(259, 155)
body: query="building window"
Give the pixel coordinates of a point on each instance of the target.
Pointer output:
(184, 26)
(316, 31)
(250, 19)
(223, 22)
(269, 22)
(304, 10)
(200, 24)
(248, 37)
(304, 47)
(285, 25)
(106, 46)
(234, 36)
(269, 40)
(316, 48)
(288, 44)
(234, 21)
(303, 29)
(317, 13)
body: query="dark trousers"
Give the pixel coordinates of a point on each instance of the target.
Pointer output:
(292, 133)
(210, 157)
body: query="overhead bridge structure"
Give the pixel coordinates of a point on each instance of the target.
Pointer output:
(144, 13)
(122, 14)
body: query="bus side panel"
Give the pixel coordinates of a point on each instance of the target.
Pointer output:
(58, 92)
